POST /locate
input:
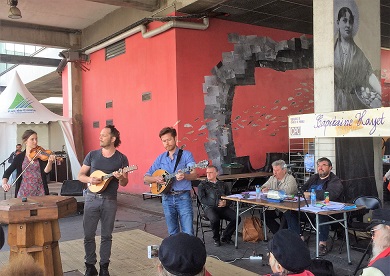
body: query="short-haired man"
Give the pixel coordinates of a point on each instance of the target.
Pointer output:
(323, 181)
(176, 202)
(380, 231)
(280, 180)
(215, 208)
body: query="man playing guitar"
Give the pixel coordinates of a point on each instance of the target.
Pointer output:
(176, 201)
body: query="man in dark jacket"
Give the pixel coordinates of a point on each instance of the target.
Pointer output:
(323, 181)
(210, 192)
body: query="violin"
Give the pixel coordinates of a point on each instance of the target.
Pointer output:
(44, 154)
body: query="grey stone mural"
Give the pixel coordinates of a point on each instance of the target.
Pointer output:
(238, 68)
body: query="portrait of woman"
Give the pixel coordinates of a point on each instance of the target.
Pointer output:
(31, 169)
(356, 87)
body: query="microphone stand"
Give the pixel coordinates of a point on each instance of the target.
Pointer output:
(300, 194)
(3, 164)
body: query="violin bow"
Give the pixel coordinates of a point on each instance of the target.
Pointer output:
(31, 162)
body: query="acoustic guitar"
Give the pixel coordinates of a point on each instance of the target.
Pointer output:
(106, 178)
(158, 188)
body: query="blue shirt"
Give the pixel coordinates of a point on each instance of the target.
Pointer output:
(164, 162)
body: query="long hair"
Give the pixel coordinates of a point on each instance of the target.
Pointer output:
(115, 133)
(27, 134)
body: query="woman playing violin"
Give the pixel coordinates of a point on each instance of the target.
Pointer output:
(33, 181)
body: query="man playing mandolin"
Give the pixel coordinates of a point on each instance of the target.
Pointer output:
(102, 206)
(176, 198)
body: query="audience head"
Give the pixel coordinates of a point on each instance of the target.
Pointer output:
(324, 167)
(380, 231)
(182, 255)
(279, 169)
(283, 253)
(22, 264)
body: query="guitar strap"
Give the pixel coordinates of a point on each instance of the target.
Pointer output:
(179, 154)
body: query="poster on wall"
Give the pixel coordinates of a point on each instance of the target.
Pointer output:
(356, 87)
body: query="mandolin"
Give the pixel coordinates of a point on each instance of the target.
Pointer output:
(158, 188)
(106, 178)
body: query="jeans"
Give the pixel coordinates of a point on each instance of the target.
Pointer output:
(215, 214)
(95, 209)
(178, 208)
(293, 224)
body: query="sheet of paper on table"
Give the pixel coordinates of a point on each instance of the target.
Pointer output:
(332, 206)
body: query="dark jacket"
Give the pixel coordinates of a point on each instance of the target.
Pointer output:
(210, 193)
(17, 164)
(332, 185)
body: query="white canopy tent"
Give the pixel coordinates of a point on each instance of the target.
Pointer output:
(19, 106)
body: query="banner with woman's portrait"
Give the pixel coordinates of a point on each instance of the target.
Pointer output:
(356, 86)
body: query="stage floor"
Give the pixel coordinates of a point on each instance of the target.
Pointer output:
(129, 256)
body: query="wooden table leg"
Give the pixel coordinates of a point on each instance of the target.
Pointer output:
(40, 240)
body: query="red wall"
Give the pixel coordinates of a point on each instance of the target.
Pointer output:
(261, 110)
(172, 66)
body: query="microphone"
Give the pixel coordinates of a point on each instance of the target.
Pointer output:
(290, 165)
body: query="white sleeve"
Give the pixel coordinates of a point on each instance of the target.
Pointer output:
(372, 271)
(387, 175)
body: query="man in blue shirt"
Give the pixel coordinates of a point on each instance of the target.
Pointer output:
(176, 198)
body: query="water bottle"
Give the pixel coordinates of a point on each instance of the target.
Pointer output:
(258, 191)
(313, 197)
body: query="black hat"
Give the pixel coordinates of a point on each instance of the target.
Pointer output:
(380, 216)
(290, 251)
(182, 254)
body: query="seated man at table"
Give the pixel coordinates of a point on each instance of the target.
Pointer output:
(280, 180)
(210, 192)
(323, 181)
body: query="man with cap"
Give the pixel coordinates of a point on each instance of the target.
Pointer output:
(283, 257)
(182, 255)
(380, 232)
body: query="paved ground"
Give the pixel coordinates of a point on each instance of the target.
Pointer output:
(147, 215)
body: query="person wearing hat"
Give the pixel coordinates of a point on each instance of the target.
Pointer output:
(380, 231)
(182, 254)
(283, 257)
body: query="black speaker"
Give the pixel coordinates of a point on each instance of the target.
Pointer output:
(72, 188)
